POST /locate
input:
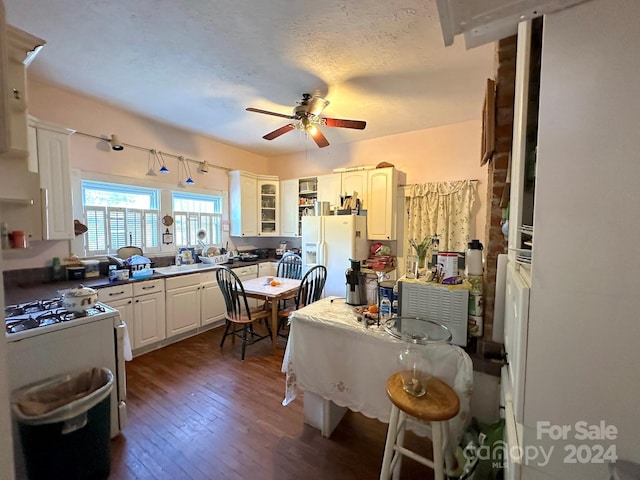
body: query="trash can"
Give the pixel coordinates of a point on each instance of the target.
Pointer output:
(64, 425)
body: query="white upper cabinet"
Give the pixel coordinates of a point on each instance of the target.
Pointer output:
(329, 189)
(20, 49)
(243, 204)
(254, 204)
(382, 218)
(289, 206)
(52, 153)
(353, 182)
(269, 206)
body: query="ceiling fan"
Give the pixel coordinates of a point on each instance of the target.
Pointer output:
(307, 113)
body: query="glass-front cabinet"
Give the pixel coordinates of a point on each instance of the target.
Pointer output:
(268, 207)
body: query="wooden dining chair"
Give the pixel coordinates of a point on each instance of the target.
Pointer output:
(290, 266)
(239, 317)
(309, 291)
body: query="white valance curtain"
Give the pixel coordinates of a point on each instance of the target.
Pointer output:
(443, 208)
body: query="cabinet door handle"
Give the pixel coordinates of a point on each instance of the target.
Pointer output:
(129, 302)
(149, 288)
(137, 301)
(116, 293)
(16, 94)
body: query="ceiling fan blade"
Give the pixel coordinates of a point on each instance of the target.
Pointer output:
(266, 112)
(317, 105)
(342, 123)
(279, 131)
(318, 137)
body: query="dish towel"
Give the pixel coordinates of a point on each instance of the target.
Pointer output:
(126, 344)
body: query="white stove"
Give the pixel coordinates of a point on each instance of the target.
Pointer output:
(44, 316)
(45, 340)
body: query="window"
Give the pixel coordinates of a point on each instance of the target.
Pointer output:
(119, 215)
(192, 213)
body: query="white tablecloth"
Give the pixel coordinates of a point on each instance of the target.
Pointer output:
(333, 355)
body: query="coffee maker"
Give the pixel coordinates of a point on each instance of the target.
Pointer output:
(356, 285)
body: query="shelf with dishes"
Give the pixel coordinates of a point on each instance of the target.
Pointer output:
(524, 256)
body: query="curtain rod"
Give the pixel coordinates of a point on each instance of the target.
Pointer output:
(153, 150)
(409, 184)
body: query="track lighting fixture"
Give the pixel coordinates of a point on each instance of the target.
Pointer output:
(115, 143)
(156, 157)
(163, 168)
(187, 171)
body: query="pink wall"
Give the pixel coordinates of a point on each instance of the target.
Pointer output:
(56, 105)
(451, 152)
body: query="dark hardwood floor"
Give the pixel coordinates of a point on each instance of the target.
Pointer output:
(198, 412)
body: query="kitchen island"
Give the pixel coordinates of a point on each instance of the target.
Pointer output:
(340, 363)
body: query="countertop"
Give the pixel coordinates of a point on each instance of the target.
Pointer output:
(37, 291)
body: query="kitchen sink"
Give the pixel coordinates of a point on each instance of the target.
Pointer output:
(180, 269)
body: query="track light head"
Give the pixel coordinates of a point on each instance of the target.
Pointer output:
(115, 143)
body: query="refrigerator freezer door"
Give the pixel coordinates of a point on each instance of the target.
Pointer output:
(312, 229)
(339, 247)
(311, 242)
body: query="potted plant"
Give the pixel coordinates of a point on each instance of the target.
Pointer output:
(421, 250)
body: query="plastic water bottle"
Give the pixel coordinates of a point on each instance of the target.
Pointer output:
(385, 309)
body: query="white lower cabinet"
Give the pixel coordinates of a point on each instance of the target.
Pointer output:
(212, 307)
(142, 307)
(148, 313)
(247, 273)
(267, 269)
(183, 303)
(120, 297)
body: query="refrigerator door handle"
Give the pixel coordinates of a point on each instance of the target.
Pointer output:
(322, 253)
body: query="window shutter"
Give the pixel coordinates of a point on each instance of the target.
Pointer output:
(180, 228)
(95, 240)
(134, 227)
(151, 235)
(117, 228)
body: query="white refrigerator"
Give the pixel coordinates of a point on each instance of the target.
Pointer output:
(331, 241)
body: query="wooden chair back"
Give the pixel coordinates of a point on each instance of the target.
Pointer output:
(234, 297)
(311, 286)
(290, 266)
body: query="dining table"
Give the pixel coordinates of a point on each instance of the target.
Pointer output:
(340, 361)
(272, 289)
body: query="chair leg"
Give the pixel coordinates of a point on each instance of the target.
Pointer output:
(244, 340)
(402, 423)
(226, 332)
(392, 433)
(438, 461)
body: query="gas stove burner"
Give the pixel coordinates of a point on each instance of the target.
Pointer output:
(43, 313)
(32, 307)
(57, 316)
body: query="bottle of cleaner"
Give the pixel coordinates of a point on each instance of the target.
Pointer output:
(385, 309)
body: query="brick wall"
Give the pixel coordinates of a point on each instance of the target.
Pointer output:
(497, 172)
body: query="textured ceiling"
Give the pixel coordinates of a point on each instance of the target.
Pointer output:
(198, 64)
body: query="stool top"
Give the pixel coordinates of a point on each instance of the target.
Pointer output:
(439, 403)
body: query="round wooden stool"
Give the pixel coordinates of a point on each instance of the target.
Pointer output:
(438, 405)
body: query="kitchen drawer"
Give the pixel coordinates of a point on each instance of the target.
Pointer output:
(109, 294)
(150, 286)
(251, 270)
(187, 280)
(208, 277)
